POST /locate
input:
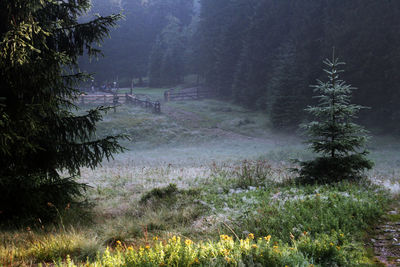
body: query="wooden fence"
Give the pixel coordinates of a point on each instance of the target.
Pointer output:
(106, 99)
(120, 99)
(188, 94)
(147, 103)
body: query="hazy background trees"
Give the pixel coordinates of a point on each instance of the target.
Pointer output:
(152, 30)
(262, 54)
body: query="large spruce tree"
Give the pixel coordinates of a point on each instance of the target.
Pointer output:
(333, 134)
(40, 137)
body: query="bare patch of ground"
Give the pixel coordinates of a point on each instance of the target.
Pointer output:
(386, 240)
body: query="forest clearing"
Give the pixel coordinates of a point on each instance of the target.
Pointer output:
(198, 178)
(199, 133)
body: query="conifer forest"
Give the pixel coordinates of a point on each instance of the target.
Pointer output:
(199, 133)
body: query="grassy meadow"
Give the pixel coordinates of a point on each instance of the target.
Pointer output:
(208, 183)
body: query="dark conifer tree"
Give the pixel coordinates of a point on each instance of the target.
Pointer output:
(284, 91)
(166, 63)
(40, 42)
(155, 63)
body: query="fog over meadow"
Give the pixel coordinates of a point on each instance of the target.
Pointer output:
(259, 59)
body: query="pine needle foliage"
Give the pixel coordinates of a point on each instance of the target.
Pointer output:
(333, 134)
(40, 135)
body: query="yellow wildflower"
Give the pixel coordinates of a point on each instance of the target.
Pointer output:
(267, 238)
(254, 246)
(224, 251)
(331, 244)
(196, 260)
(337, 247)
(275, 247)
(188, 242)
(251, 236)
(155, 238)
(225, 237)
(130, 248)
(147, 247)
(119, 243)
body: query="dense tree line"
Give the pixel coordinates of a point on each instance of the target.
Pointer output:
(262, 54)
(148, 42)
(265, 53)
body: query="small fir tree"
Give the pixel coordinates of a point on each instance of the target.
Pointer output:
(333, 135)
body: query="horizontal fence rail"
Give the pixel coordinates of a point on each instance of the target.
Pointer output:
(105, 99)
(116, 99)
(147, 103)
(188, 94)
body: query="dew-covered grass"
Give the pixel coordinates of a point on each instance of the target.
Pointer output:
(209, 172)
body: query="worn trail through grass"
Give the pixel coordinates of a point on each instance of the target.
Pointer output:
(385, 239)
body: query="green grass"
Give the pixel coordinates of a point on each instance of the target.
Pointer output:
(226, 116)
(224, 173)
(320, 225)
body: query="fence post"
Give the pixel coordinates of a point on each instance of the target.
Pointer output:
(115, 99)
(157, 107)
(167, 95)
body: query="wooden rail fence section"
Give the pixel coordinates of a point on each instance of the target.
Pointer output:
(120, 99)
(188, 94)
(155, 105)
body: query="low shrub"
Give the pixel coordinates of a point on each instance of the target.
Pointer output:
(349, 208)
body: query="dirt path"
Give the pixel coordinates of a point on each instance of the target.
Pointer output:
(386, 239)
